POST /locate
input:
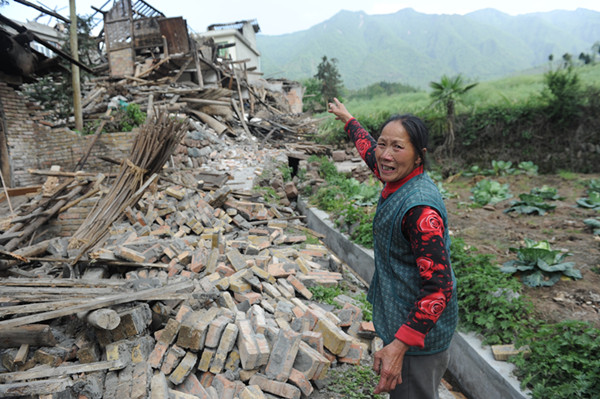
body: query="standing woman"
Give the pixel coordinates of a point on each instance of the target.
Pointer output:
(413, 290)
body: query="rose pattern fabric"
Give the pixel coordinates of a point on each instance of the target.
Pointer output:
(430, 222)
(432, 306)
(424, 227)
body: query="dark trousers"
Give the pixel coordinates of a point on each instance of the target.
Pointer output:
(421, 376)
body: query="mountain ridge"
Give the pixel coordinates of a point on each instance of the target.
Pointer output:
(415, 48)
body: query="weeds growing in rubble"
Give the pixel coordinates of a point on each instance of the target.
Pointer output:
(327, 295)
(356, 382)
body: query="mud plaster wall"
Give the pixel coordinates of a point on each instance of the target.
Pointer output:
(33, 145)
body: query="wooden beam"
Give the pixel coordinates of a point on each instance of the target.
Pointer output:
(94, 304)
(33, 334)
(61, 370)
(34, 388)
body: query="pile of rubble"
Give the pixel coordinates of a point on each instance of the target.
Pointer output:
(193, 294)
(197, 288)
(177, 281)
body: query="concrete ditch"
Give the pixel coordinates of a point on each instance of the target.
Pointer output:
(479, 375)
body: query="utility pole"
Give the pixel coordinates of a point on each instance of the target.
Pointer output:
(75, 70)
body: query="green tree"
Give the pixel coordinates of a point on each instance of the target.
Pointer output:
(331, 80)
(562, 92)
(446, 94)
(312, 95)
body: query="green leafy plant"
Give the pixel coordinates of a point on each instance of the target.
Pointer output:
(591, 202)
(593, 199)
(489, 301)
(473, 171)
(502, 168)
(594, 223)
(365, 306)
(528, 167)
(529, 204)
(594, 185)
(130, 117)
(563, 363)
(357, 382)
(539, 265)
(534, 202)
(268, 193)
(325, 294)
(546, 192)
(489, 192)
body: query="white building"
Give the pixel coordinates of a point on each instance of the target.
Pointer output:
(236, 41)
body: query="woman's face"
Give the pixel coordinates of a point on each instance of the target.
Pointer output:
(395, 154)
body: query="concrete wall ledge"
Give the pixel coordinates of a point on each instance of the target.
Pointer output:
(471, 362)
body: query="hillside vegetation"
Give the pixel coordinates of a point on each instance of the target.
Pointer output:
(509, 119)
(415, 48)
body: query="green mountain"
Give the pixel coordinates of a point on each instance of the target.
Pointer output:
(416, 48)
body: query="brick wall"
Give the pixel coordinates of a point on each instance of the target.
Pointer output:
(34, 145)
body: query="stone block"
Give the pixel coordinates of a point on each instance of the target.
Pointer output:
(169, 333)
(156, 357)
(226, 389)
(354, 355)
(215, 329)
(264, 350)
(228, 339)
(308, 360)
(236, 259)
(334, 339)
(278, 388)
(233, 361)
(184, 368)
(172, 358)
(252, 392)
(206, 359)
(283, 354)
(142, 375)
(257, 317)
(191, 385)
(247, 345)
(299, 287)
(299, 379)
(159, 387)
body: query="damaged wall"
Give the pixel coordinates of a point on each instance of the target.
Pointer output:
(31, 145)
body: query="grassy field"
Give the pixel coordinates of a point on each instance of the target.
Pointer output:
(510, 90)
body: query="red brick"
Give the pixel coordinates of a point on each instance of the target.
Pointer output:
(300, 380)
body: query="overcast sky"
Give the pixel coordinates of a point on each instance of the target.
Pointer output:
(276, 17)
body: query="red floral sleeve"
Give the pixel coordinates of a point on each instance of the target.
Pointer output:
(424, 228)
(365, 144)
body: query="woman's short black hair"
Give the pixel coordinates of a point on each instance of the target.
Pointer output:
(416, 129)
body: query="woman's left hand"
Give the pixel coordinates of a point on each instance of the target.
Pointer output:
(387, 362)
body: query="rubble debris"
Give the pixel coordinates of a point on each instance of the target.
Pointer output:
(170, 278)
(229, 311)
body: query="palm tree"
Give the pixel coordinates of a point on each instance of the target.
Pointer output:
(447, 93)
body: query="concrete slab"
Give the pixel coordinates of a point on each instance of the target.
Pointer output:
(471, 362)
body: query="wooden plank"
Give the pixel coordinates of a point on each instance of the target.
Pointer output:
(36, 307)
(60, 282)
(60, 371)
(210, 121)
(32, 388)
(94, 304)
(32, 292)
(16, 192)
(205, 102)
(34, 335)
